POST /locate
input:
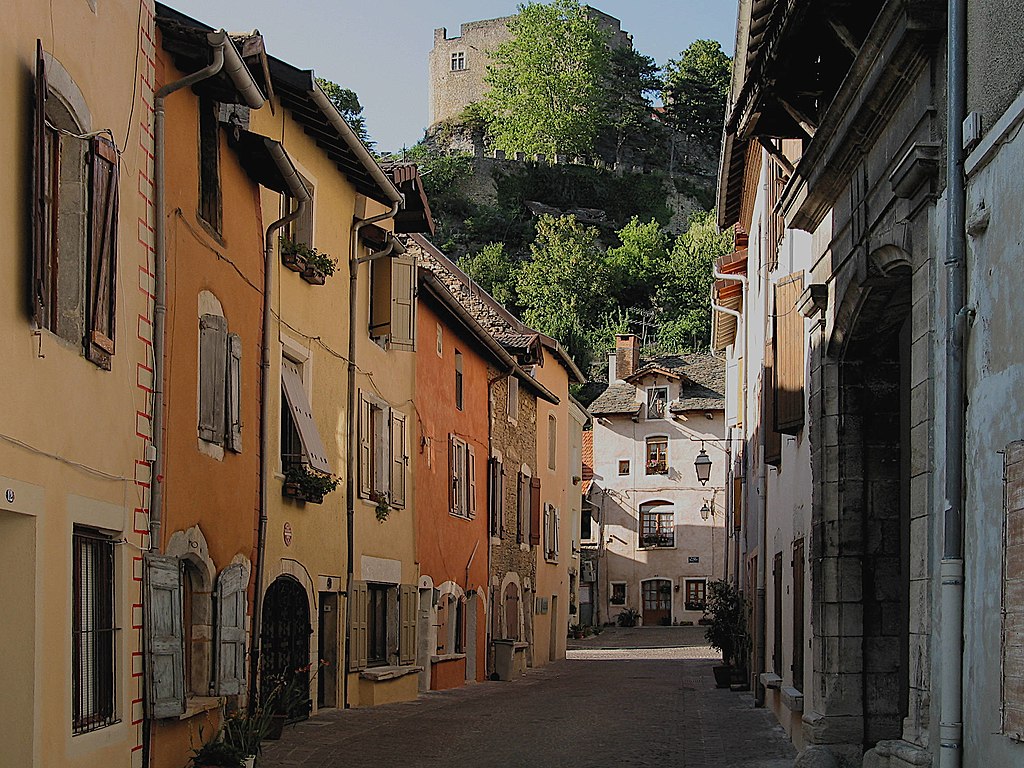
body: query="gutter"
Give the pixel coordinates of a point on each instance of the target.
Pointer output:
(951, 569)
(353, 419)
(297, 190)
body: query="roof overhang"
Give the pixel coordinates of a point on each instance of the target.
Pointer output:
(416, 216)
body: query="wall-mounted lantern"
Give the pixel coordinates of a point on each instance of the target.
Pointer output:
(703, 466)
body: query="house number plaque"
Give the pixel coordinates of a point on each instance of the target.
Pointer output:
(287, 534)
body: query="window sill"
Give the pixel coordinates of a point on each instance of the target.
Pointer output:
(197, 705)
(770, 680)
(380, 674)
(793, 699)
(443, 657)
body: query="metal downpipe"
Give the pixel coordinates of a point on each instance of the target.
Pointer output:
(952, 566)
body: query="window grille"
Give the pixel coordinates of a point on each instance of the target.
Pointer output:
(94, 633)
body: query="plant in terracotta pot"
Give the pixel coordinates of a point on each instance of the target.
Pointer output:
(319, 266)
(293, 255)
(306, 484)
(726, 631)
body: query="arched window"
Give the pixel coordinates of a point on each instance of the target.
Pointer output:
(657, 525)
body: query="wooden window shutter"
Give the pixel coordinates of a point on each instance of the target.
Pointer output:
(772, 439)
(381, 425)
(789, 354)
(547, 530)
(234, 393)
(302, 415)
(535, 510)
(40, 298)
(399, 458)
(165, 682)
(365, 448)
(357, 626)
(403, 303)
(230, 629)
(501, 500)
(453, 475)
(102, 279)
(471, 481)
(212, 383)
(557, 531)
(512, 403)
(522, 494)
(380, 297)
(407, 605)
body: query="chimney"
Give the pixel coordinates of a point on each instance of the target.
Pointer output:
(627, 355)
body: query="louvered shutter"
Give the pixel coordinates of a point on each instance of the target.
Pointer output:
(365, 459)
(399, 458)
(234, 393)
(40, 298)
(535, 510)
(302, 415)
(357, 623)
(557, 526)
(403, 303)
(471, 484)
(453, 475)
(548, 549)
(102, 254)
(501, 500)
(165, 681)
(382, 448)
(772, 438)
(408, 598)
(230, 643)
(212, 372)
(789, 354)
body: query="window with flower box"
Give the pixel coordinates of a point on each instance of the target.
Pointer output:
(657, 526)
(657, 456)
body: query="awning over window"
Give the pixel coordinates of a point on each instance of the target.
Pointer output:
(302, 413)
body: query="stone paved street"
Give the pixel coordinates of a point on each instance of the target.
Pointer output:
(633, 697)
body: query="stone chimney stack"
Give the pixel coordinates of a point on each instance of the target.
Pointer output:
(627, 355)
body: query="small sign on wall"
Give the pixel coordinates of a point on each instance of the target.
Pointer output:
(287, 534)
(693, 559)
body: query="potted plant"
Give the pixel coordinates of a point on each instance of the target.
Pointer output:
(727, 628)
(576, 632)
(628, 617)
(293, 255)
(383, 502)
(319, 266)
(245, 730)
(305, 484)
(216, 753)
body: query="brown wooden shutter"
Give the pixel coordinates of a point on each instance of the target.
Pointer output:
(230, 643)
(403, 303)
(40, 297)
(471, 481)
(212, 377)
(772, 439)
(789, 353)
(357, 626)
(399, 458)
(408, 598)
(453, 476)
(99, 334)
(234, 393)
(165, 681)
(535, 510)
(380, 297)
(798, 614)
(777, 615)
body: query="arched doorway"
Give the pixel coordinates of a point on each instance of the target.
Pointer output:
(656, 601)
(285, 645)
(511, 612)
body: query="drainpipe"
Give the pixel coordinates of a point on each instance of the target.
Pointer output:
(353, 418)
(298, 191)
(952, 565)
(225, 56)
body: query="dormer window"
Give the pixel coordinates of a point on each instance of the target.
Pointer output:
(657, 402)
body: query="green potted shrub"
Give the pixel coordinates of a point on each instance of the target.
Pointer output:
(383, 505)
(726, 612)
(216, 753)
(305, 484)
(319, 266)
(293, 255)
(628, 617)
(245, 730)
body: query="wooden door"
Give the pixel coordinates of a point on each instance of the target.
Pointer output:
(657, 602)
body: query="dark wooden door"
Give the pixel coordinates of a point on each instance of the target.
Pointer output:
(657, 602)
(285, 641)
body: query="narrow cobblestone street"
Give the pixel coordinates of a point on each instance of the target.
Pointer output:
(633, 697)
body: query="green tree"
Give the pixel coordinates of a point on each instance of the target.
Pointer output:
(696, 86)
(685, 291)
(494, 271)
(632, 80)
(637, 265)
(564, 289)
(347, 103)
(546, 82)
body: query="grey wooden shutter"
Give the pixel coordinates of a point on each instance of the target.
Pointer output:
(408, 599)
(535, 510)
(99, 339)
(557, 526)
(357, 626)
(302, 415)
(399, 458)
(212, 370)
(165, 681)
(403, 303)
(234, 393)
(471, 481)
(230, 629)
(548, 549)
(40, 298)
(365, 462)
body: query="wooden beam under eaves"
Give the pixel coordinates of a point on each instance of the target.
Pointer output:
(807, 125)
(845, 36)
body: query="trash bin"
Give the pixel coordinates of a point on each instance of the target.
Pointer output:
(504, 656)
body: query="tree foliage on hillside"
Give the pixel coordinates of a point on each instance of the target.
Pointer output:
(695, 89)
(546, 82)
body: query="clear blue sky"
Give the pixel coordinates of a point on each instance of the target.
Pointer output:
(378, 48)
